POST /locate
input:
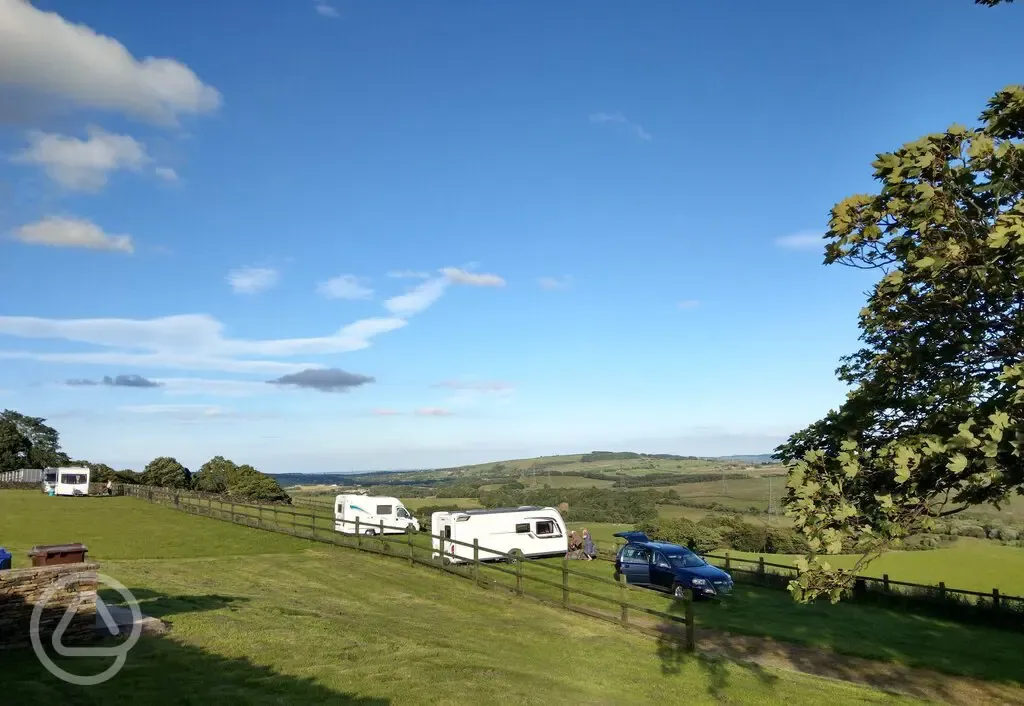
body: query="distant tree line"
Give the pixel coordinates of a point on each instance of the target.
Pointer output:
(28, 442)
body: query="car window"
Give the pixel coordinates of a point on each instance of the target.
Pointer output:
(686, 561)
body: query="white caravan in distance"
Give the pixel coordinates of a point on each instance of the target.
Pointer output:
(512, 532)
(70, 480)
(370, 510)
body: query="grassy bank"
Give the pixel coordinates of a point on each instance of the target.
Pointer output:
(259, 618)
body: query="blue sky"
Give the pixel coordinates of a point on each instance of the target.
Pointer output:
(605, 215)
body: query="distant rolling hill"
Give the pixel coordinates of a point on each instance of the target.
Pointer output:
(747, 458)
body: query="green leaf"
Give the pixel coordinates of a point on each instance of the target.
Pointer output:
(957, 463)
(924, 262)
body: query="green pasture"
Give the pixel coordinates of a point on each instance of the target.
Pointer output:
(261, 618)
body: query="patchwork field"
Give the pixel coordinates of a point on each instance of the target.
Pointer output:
(261, 618)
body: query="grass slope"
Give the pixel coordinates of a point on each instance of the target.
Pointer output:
(310, 624)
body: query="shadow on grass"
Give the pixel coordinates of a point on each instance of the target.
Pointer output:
(718, 649)
(672, 655)
(161, 670)
(161, 605)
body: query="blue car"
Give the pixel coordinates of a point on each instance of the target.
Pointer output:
(668, 567)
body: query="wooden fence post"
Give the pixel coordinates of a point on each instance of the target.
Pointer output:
(294, 524)
(261, 513)
(519, 575)
(232, 510)
(412, 551)
(623, 611)
(728, 563)
(691, 638)
(942, 589)
(440, 550)
(383, 542)
(565, 581)
(995, 597)
(359, 536)
(476, 561)
(312, 522)
(885, 582)
(760, 570)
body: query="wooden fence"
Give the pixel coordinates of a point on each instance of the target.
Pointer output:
(760, 567)
(542, 581)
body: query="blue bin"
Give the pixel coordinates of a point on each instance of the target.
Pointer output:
(5, 559)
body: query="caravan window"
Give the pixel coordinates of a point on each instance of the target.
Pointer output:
(547, 527)
(72, 478)
(523, 528)
(341, 509)
(383, 509)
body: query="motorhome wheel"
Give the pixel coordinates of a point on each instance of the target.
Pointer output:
(515, 555)
(370, 532)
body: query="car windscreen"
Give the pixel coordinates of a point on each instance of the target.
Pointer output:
(686, 561)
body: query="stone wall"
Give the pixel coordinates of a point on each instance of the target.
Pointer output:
(20, 589)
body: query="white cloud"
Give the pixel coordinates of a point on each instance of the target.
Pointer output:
(622, 120)
(82, 165)
(344, 287)
(563, 282)
(460, 276)
(382, 412)
(326, 10)
(187, 341)
(417, 299)
(408, 274)
(190, 413)
(688, 304)
(433, 412)
(804, 240)
(166, 173)
(44, 53)
(58, 232)
(252, 280)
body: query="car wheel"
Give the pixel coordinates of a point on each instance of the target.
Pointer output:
(679, 591)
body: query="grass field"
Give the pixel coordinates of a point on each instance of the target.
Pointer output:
(290, 621)
(414, 504)
(971, 564)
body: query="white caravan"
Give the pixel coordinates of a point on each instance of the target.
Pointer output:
(370, 510)
(512, 532)
(71, 480)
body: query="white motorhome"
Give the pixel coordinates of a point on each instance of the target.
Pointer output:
(70, 480)
(370, 510)
(513, 532)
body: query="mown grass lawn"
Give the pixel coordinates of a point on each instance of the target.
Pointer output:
(971, 564)
(259, 618)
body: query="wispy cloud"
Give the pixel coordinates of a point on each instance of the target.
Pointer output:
(622, 121)
(252, 280)
(383, 412)
(803, 240)
(688, 304)
(167, 174)
(408, 274)
(191, 413)
(551, 283)
(491, 386)
(58, 232)
(185, 341)
(325, 10)
(418, 299)
(344, 287)
(433, 412)
(473, 279)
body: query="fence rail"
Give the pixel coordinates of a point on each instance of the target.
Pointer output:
(542, 581)
(884, 581)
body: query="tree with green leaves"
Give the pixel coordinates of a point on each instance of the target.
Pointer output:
(14, 447)
(935, 419)
(44, 440)
(166, 472)
(223, 476)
